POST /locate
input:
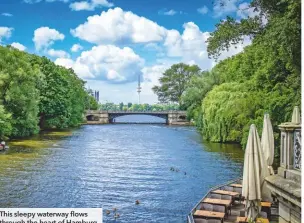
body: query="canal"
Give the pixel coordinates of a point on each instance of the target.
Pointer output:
(112, 166)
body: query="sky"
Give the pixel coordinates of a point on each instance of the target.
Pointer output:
(110, 43)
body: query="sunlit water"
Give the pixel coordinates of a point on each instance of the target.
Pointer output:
(113, 166)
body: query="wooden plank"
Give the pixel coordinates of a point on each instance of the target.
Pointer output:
(258, 220)
(209, 214)
(263, 204)
(236, 185)
(217, 201)
(241, 219)
(266, 204)
(225, 192)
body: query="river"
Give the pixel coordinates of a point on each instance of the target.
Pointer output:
(112, 166)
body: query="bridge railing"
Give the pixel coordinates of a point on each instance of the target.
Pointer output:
(135, 112)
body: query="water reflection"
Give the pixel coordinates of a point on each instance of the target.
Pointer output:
(113, 166)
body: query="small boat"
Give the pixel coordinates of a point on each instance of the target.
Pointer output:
(3, 148)
(223, 204)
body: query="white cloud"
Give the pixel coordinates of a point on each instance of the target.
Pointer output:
(203, 10)
(18, 46)
(5, 32)
(45, 37)
(65, 62)
(7, 14)
(245, 11)
(58, 53)
(151, 77)
(107, 63)
(191, 46)
(167, 12)
(90, 6)
(117, 26)
(76, 47)
(224, 7)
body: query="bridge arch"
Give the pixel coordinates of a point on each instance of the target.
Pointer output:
(112, 117)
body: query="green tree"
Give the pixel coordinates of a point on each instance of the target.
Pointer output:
(5, 124)
(121, 105)
(174, 82)
(19, 94)
(265, 77)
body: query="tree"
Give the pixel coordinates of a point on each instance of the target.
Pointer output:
(129, 105)
(5, 124)
(174, 81)
(121, 105)
(36, 93)
(277, 24)
(265, 77)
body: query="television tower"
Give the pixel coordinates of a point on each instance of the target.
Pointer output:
(139, 89)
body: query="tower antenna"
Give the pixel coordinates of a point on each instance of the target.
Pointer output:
(139, 89)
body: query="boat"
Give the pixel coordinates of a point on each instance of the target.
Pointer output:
(3, 148)
(225, 204)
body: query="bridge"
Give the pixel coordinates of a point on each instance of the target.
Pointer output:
(105, 117)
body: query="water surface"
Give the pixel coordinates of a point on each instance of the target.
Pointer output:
(112, 166)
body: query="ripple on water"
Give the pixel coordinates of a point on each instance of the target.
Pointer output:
(113, 166)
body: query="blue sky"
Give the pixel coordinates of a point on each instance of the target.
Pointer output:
(109, 43)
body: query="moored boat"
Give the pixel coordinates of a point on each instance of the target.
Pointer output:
(225, 203)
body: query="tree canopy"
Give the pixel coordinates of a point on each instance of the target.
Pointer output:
(174, 82)
(264, 78)
(36, 93)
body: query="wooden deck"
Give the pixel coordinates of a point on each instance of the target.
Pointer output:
(237, 207)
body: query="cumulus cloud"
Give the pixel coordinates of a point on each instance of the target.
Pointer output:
(191, 47)
(6, 14)
(45, 37)
(58, 53)
(5, 32)
(117, 26)
(203, 10)
(65, 62)
(18, 46)
(106, 62)
(151, 75)
(90, 5)
(76, 47)
(223, 7)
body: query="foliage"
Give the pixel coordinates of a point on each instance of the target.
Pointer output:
(19, 94)
(138, 107)
(174, 82)
(265, 77)
(37, 93)
(5, 123)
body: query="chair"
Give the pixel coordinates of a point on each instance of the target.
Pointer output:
(214, 196)
(200, 220)
(207, 207)
(219, 208)
(242, 213)
(263, 214)
(228, 188)
(226, 197)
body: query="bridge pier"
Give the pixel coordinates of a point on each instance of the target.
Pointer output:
(105, 117)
